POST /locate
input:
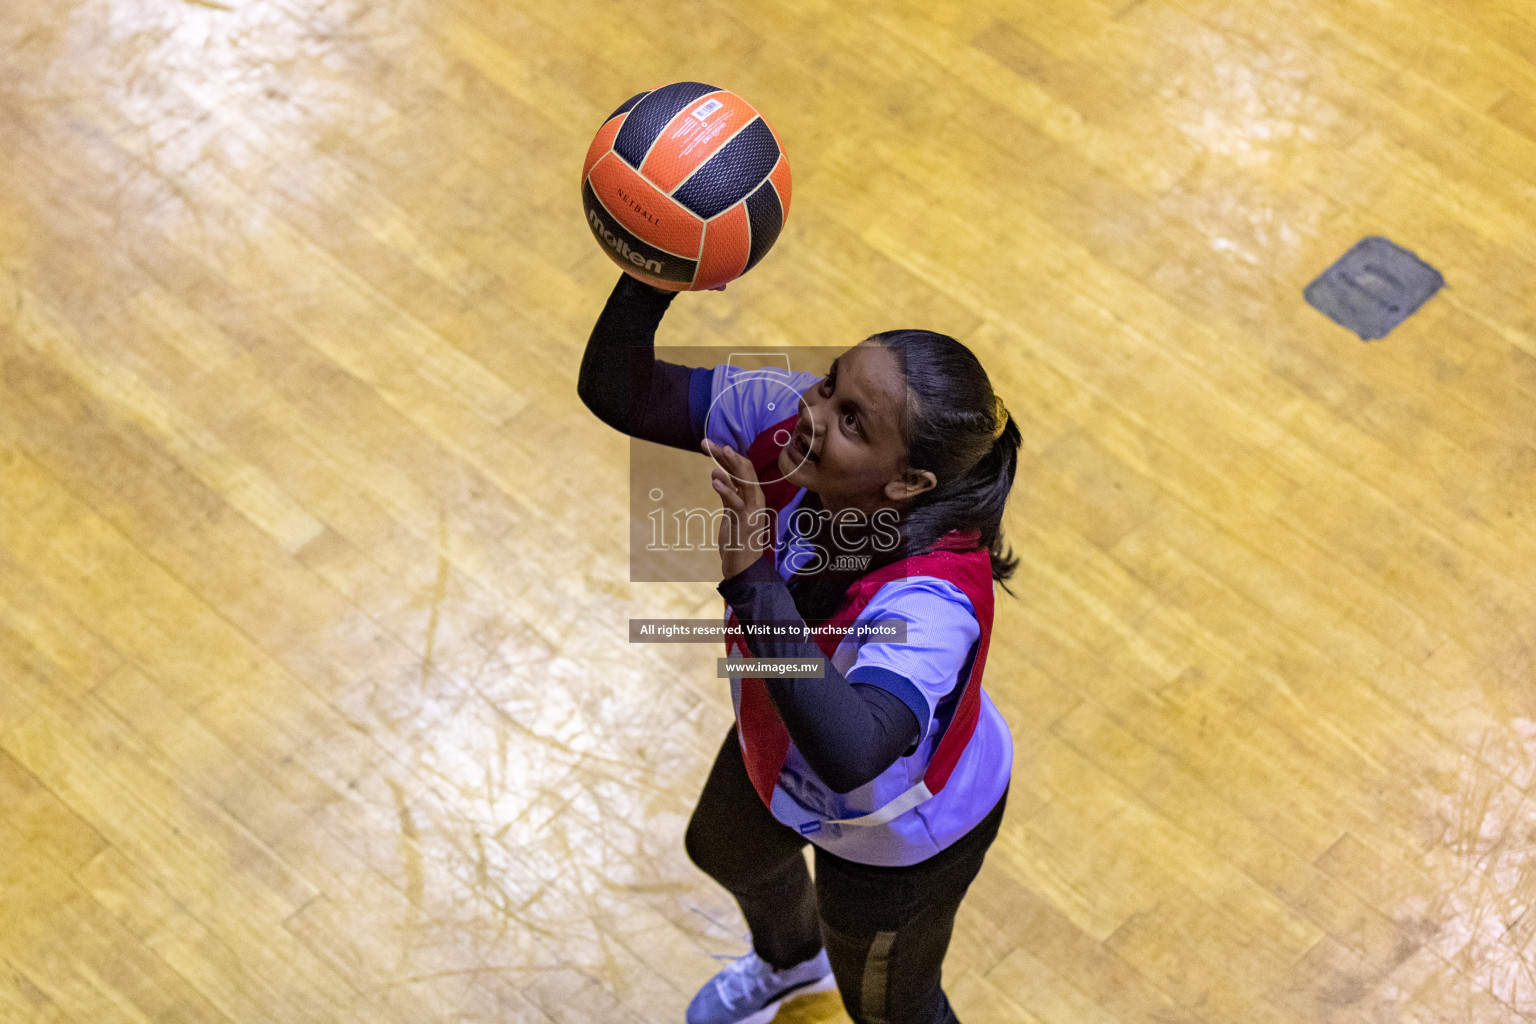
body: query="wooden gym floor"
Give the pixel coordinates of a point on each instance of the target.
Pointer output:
(316, 700)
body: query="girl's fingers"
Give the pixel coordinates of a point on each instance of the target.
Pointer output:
(721, 451)
(728, 495)
(738, 473)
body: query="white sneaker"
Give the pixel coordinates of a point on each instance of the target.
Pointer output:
(748, 991)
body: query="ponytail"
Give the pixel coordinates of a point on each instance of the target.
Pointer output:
(957, 428)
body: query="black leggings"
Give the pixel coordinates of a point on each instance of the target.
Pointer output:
(886, 930)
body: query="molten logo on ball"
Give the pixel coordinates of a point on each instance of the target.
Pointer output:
(621, 247)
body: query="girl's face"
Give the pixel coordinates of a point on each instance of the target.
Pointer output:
(852, 426)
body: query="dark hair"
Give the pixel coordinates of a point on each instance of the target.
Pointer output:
(951, 419)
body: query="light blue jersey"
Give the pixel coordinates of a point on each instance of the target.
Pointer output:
(925, 672)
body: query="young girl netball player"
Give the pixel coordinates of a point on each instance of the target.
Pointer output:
(894, 764)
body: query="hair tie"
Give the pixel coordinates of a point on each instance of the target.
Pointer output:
(1001, 414)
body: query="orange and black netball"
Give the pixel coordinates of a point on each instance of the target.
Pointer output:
(686, 186)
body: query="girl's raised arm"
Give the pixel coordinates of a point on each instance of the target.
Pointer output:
(623, 382)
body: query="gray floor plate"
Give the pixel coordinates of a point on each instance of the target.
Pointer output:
(1373, 287)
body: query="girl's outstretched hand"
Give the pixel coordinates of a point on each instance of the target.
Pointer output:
(637, 277)
(746, 527)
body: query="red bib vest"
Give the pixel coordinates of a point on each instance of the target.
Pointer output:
(954, 557)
